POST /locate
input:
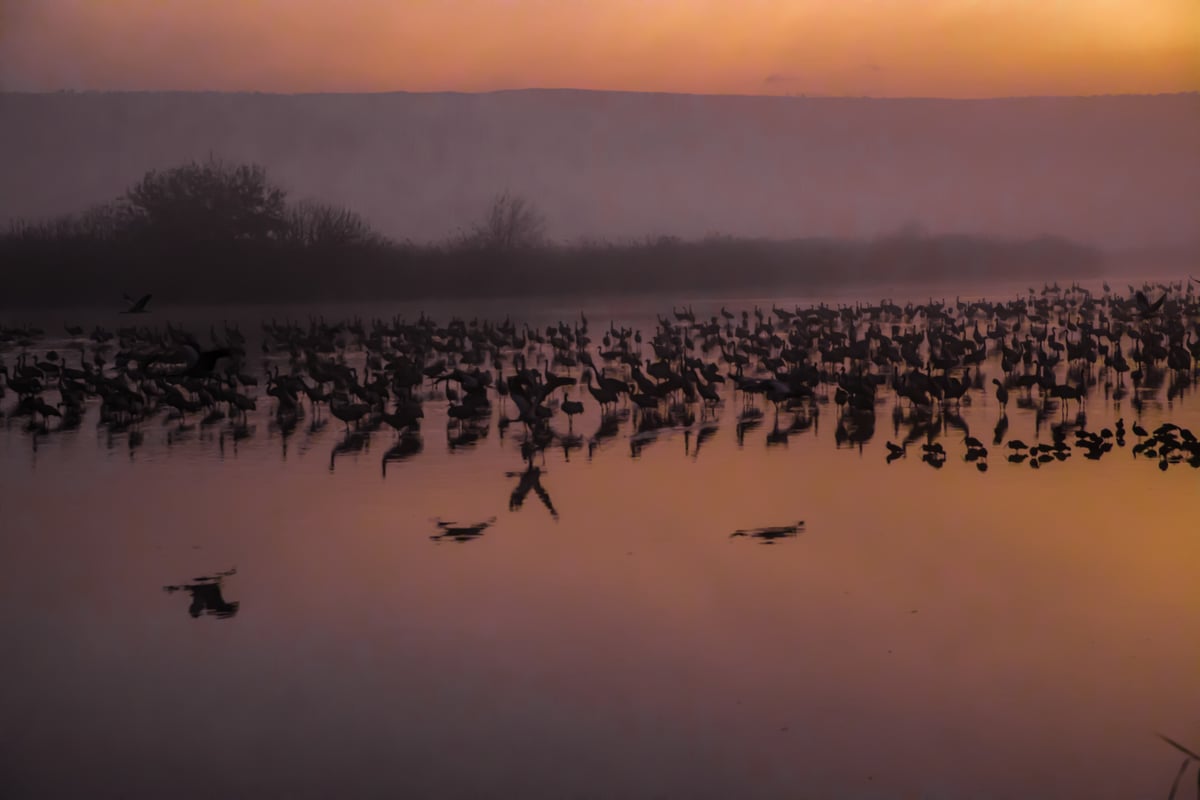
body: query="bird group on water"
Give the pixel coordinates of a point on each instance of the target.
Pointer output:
(1050, 353)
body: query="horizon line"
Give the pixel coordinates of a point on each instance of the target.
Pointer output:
(567, 89)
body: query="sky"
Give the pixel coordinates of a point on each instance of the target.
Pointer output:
(882, 48)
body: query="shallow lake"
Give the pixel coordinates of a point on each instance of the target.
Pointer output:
(928, 632)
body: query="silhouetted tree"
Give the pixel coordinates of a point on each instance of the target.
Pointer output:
(313, 224)
(100, 223)
(512, 223)
(235, 230)
(208, 201)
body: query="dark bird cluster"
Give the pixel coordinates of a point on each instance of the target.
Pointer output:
(1051, 352)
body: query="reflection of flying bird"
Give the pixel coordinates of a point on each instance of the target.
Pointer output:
(531, 478)
(769, 535)
(136, 306)
(207, 597)
(461, 533)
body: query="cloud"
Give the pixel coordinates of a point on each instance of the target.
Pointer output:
(779, 77)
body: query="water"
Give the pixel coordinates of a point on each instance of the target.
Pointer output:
(929, 633)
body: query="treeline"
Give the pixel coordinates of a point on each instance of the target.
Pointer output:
(213, 233)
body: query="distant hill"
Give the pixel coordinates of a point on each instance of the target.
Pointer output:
(1120, 171)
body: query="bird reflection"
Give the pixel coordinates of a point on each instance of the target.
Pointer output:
(530, 479)
(354, 442)
(610, 426)
(461, 533)
(748, 420)
(207, 597)
(771, 534)
(706, 432)
(466, 433)
(409, 445)
(858, 427)
(953, 420)
(805, 420)
(1001, 429)
(778, 435)
(639, 441)
(569, 442)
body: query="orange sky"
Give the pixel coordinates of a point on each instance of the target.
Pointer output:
(948, 48)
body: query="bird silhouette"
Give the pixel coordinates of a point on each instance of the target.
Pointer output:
(137, 306)
(207, 597)
(1145, 307)
(201, 363)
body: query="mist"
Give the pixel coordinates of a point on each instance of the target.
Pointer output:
(1119, 172)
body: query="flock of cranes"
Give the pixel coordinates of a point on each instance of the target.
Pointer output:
(1049, 352)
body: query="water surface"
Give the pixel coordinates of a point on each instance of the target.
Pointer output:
(929, 633)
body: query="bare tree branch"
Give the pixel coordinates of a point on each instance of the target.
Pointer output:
(512, 223)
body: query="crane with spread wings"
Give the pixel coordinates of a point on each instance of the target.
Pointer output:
(137, 306)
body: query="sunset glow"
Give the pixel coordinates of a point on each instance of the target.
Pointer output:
(886, 48)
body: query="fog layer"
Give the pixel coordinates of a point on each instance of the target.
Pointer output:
(1116, 171)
